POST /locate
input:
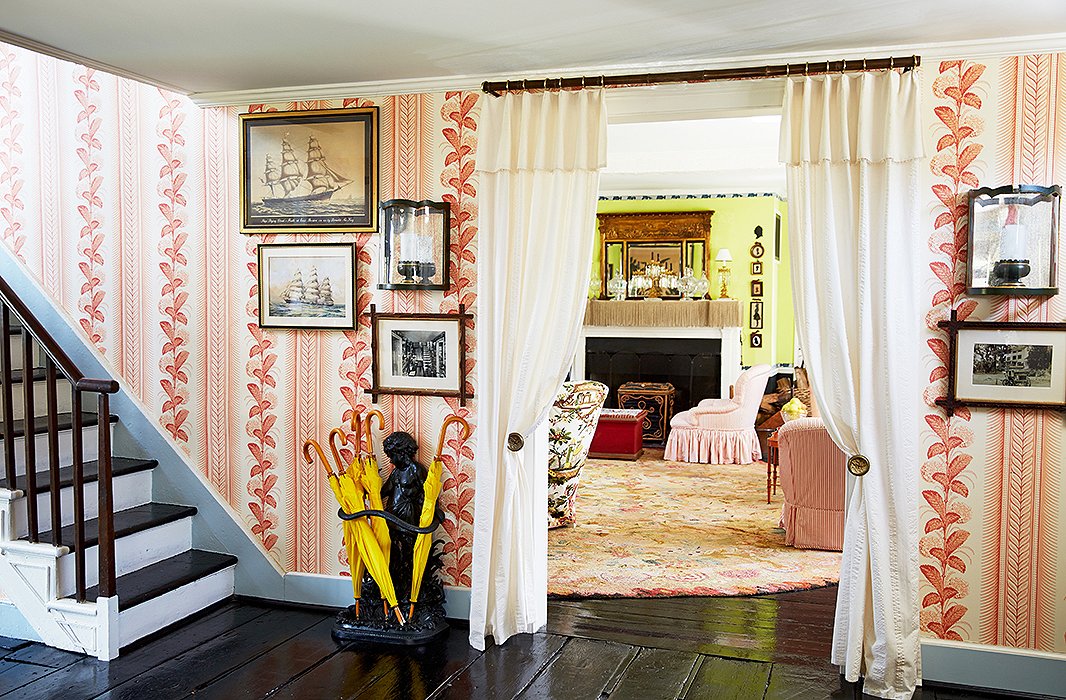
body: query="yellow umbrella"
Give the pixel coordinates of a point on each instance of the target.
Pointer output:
(344, 499)
(370, 551)
(372, 483)
(355, 562)
(431, 490)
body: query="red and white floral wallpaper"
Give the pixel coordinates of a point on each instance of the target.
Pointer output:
(993, 559)
(122, 200)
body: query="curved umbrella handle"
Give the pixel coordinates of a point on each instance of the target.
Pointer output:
(444, 429)
(310, 459)
(357, 423)
(333, 446)
(369, 428)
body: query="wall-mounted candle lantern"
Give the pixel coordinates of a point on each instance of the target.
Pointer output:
(1014, 234)
(414, 245)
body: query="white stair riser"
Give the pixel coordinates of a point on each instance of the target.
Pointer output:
(89, 448)
(40, 399)
(128, 491)
(153, 615)
(132, 552)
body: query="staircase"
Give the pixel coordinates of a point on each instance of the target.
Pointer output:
(86, 555)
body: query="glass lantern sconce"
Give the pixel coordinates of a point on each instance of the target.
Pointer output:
(414, 245)
(1014, 233)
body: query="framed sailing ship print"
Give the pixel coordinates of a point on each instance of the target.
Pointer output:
(311, 170)
(307, 285)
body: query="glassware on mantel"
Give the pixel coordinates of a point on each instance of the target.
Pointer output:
(594, 287)
(701, 286)
(687, 285)
(617, 287)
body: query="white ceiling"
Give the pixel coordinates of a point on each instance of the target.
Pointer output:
(701, 156)
(209, 46)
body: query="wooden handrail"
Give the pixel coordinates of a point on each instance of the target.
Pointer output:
(54, 357)
(30, 323)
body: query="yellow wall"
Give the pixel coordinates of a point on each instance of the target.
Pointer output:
(733, 226)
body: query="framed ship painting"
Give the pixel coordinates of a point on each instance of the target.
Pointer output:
(311, 170)
(307, 285)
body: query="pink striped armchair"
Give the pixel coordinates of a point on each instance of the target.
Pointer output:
(721, 431)
(812, 470)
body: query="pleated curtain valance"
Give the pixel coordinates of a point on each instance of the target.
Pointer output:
(543, 131)
(852, 117)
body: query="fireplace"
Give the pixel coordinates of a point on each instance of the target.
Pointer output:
(692, 365)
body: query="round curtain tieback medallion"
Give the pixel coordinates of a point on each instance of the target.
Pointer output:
(515, 442)
(858, 465)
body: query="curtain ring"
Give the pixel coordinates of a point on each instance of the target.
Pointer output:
(806, 68)
(891, 62)
(864, 64)
(507, 86)
(582, 82)
(787, 69)
(602, 78)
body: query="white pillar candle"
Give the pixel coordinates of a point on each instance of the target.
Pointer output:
(408, 246)
(1013, 246)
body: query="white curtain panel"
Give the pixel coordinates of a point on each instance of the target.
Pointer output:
(539, 157)
(852, 145)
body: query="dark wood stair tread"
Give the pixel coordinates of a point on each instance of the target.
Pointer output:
(162, 577)
(65, 421)
(120, 466)
(127, 522)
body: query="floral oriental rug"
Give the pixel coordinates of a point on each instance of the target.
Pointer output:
(653, 528)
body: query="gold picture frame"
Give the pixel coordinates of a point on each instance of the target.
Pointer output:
(315, 170)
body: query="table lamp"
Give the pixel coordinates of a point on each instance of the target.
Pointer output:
(723, 259)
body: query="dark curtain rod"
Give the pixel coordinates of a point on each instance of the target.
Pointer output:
(702, 76)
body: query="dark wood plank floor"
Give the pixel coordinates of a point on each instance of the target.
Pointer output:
(773, 646)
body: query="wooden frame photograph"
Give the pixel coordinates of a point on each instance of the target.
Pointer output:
(1005, 364)
(756, 288)
(755, 316)
(419, 354)
(756, 267)
(315, 170)
(756, 340)
(307, 285)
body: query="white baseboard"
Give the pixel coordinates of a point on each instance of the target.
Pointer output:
(999, 668)
(336, 592)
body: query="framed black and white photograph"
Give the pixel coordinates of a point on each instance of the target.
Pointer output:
(756, 340)
(309, 170)
(755, 317)
(307, 285)
(996, 364)
(756, 288)
(419, 354)
(756, 267)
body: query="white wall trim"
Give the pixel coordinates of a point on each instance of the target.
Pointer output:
(336, 592)
(1000, 668)
(1045, 43)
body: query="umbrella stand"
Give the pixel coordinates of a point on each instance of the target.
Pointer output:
(390, 532)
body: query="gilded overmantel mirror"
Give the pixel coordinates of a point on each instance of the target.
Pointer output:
(650, 251)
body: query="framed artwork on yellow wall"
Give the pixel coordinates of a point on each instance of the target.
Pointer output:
(756, 267)
(315, 170)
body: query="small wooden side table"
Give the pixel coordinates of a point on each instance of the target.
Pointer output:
(772, 457)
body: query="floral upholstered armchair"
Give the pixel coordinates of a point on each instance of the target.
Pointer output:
(571, 425)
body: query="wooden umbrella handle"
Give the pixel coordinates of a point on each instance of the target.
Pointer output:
(337, 432)
(444, 429)
(310, 459)
(369, 428)
(357, 421)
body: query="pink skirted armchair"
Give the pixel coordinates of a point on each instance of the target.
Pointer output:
(721, 431)
(812, 474)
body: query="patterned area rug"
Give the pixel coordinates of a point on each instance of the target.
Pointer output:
(657, 529)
